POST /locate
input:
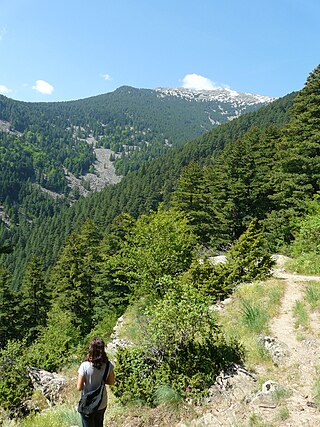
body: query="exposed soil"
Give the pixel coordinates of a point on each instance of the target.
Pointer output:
(300, 367)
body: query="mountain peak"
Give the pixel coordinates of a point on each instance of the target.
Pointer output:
(219, 94)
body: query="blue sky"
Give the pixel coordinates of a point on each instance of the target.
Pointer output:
(57, 50)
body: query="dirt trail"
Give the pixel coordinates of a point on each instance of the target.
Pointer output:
(299, 369)
(296, 373)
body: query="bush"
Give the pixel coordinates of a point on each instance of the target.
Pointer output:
(134, 376)
(55, 343)
(183, 350)
(15, 385)
(308, 237)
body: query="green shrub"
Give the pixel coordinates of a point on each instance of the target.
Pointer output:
(104, 327)
(15, 385)
(55, 343)
(141, 373)
(308, 237)
(247, 260)
(134, 376)
(183, 349)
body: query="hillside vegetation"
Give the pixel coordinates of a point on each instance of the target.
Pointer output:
(39, 225)
(147, 245)
(277, 385)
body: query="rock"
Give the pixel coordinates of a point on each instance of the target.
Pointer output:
(269, 386)
(278, 350)
(219, 259)
(219, 306)
(264, 397)
(235, 383)
(115, 344)
(50, 384)
(117, 328)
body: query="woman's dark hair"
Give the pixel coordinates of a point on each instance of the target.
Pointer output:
(97, 354)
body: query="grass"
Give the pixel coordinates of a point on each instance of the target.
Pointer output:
(166, 395)
(312, 295)
(283, 413)
(61, 416)
(307, 263)
(302, 308)
(248, 316)
(253, 316)
(280, 394)
(256, 421)
(300, 314)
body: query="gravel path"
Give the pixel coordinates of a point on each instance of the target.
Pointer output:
(300, 367)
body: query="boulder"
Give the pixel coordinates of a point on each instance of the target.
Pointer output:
(264, 398)
(234, 383)
(49, 383)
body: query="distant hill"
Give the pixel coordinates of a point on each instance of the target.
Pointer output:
(135, 124)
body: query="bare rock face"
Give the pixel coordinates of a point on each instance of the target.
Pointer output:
(50, 384)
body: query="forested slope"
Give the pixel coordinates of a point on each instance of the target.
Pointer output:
(49, 222)
(245, 189)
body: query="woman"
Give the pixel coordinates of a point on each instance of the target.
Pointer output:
(91, 374)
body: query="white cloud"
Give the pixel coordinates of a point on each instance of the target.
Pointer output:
(43, 87)
(197, 82)
(4, 89)
(106, 77)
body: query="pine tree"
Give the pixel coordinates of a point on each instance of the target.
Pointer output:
(73, 278)
(299, 149)
(191, 198)
(35, 298)
(9, 305)
(248, 259)
(240, 183)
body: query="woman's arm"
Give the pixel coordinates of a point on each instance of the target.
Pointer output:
(80, 382)
(110, 379)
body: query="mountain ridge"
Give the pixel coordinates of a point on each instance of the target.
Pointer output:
(218, 94)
